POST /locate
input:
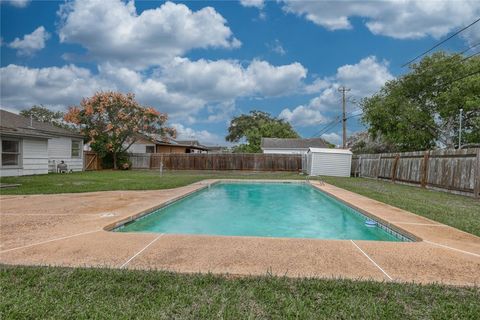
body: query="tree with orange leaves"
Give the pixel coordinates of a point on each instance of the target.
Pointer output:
(113, 121)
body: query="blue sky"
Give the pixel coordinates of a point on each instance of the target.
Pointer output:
(204, 62)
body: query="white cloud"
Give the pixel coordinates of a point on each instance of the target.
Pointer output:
(181, 88)
(277, 47)
(17, 3)
(61, 87)
(205, 137)
(223, 80)
(303, 116)
(316, 86)
(23, 87)
(270, 80)
(363, 78)
(401, 19)
(332, 138)
(253, 3)
(150, 90)
(31, 43)
(113, 31)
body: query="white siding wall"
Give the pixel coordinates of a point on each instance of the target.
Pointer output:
(34, 159)
(285, 151)
(139, 147)
(329, 164)
(59, 149)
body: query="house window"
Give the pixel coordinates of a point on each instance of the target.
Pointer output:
(76, 149)
(10, 152)
(150, 149)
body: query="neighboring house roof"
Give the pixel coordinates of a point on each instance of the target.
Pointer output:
(188, 142)
(278, 143)
(193, 144)
(165, 141)
(218, 149)
(16, 125)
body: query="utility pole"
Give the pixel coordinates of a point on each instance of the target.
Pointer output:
(460, 130)
(344, 90)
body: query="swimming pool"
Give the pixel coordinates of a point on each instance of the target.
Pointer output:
(288, 210)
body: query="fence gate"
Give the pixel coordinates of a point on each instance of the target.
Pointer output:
(91, 161)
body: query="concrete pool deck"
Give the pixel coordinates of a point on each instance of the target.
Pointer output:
(71, 230)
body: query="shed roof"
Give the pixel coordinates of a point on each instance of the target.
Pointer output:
(279, 143)
(14, 124)
(329, 150)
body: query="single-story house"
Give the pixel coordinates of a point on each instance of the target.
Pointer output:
(32, 147)
(146, 144)
(291, 146)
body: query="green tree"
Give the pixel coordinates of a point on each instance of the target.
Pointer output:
(112, 121)
(363, 143)
(420, 110)
(254, 126)
(43, 114)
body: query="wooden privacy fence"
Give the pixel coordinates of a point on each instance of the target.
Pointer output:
(205, 161)
(91, 161)
(457, 171)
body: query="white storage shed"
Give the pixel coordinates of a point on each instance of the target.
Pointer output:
(328, 162)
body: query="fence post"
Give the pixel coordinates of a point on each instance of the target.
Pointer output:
(378, 166)
(476, 178)
(423, 181)
(359, 167)
(394, 167)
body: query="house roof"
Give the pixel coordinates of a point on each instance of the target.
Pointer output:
(14, 124)
(165, 141)
(188, 142)
(277, 143)
(194, 144)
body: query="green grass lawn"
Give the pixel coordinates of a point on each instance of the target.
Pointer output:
(124, 180)
(59, 293)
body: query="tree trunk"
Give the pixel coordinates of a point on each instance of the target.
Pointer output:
(115, 161)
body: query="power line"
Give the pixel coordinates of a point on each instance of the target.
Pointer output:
(327, 127)
(470, 56)
(461, 78)
(441, 42)
(338, 122)
(451, 58)
(316, 133)
(355, 115)
(334, 123)
(470, 48)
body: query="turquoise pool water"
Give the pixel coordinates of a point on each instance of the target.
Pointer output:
(291, 210)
